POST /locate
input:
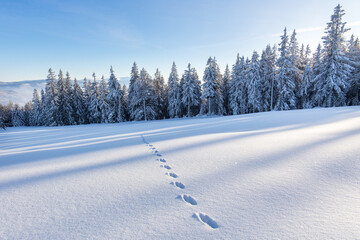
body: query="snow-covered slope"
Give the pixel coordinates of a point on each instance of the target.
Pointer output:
(276, 175)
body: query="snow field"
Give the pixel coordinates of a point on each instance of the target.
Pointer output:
(275, 175)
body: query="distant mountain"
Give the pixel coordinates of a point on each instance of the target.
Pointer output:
(21, 91)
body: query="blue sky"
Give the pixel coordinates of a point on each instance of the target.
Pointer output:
(88, 36)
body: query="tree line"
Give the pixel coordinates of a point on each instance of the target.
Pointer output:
(284, 77)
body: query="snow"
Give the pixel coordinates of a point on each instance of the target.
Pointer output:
(274, 175)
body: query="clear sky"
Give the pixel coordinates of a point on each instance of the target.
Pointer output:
(88, 36)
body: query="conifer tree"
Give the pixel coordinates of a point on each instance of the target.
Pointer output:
(237, 87)
(254, 84)
(79, 104)
(35, 113)
(267, 73)
(354, 56)
(94, 105)
(212, 87)
(116, 107)
(51, 99)
(144, 98)
(285, 77)
(86, 97)
(131, 99)
(103, 100)
(226, 90)
(174, 93)
(332, 83)
(191, 91)
(161, 95)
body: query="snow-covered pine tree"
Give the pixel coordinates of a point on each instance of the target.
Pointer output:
(267, 73)
(332, 83)
(86, 97)
(17, 116)
(354, 56)
(94, 105)
(51, 98)
(212, 87)
(144, 98)
(226, 90)
(131, 99)
(237, 94)
(116, 109)
(254, 84)
(161, 95)
(306, 89)
(174, 97)
(191, 91)
(35, 113)
(285, 77)
(64, 101)
(42, 108)
(26, 113)
(79, 104)
(125, 101)
(103, 100)
(296, 62)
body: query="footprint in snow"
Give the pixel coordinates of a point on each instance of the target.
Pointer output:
(159, 155)
(202, 217)
(166, 167)
(178, 184)
(161, 160)
(173, 175)
(188, 199)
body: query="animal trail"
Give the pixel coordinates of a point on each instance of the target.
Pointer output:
(202, 217)
(173, 175)
(166, 167)
(188, 199)
(178, 184)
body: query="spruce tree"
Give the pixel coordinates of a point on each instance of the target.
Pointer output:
(174, 93)
(226, 90)
(94, 104)
(103, 100)
(144, 98)
(79, 104)
(35, 112)
(237, 94)
(254, 84)
(285, 77)
(161, 95)
(51, 99)
(354, 56)
(131, 99)
(212, 87)
(267, 73)
(191, 91)
(332, 83)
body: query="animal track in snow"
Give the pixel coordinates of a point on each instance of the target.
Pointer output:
(202, 217)
(178, 184)
(161, 160)
(173, 175)
(159, 155)
(188, 199)
(166, 167)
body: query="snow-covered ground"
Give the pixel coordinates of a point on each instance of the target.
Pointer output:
(278, 175)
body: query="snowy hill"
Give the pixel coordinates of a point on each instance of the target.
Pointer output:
(21, 91)
(275, 175)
